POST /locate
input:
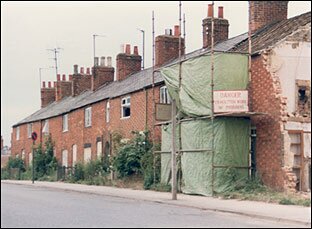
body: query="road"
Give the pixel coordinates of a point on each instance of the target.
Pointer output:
(26, 206)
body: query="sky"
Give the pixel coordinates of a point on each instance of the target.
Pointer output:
(29, 29)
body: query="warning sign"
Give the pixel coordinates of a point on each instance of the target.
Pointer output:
(230, 101)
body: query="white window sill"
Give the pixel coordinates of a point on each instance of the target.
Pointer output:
(125, 117)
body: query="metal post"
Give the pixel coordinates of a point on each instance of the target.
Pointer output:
(33, 163)
(173, 153)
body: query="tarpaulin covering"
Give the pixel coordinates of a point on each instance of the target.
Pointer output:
(194, 98)
(231, 134)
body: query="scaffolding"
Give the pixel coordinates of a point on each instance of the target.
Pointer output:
(177, 120)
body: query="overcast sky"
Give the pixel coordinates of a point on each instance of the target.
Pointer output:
(28, 29)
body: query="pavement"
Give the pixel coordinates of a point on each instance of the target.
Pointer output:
(268, 211)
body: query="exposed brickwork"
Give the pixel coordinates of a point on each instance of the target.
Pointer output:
(127, 64)
(141, 118)
(81, 82)
(221, 31)
(102, 75)
(265, 96)
(47, 96)
(63, 89)
(266, 12)
(167, 48)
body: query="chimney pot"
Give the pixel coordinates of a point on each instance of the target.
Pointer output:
(63, 77)
(176, 30)
(128, 49)
(70, 77)
(43, 84)
(135, 50)
(220, 12)
(109, 61)
(210, 10)
(81, 70)
(54, 84)
(49, 84)
(102, 61)
(88, 71)
(96, 61)
(75, 69)
(168, 32)
(58, 77)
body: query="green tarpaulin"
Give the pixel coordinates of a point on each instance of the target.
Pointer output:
(231, 134)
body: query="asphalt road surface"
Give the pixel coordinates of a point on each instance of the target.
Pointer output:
(26, 206)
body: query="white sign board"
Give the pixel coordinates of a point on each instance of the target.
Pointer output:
(230, 101)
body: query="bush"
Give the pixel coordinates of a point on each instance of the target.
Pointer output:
(16, 163)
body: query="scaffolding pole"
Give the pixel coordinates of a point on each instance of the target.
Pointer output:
(153, 97)
(212, 101)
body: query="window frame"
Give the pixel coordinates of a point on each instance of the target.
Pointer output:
(88, 113)
(125, 105)
(46, 122)
(164, 97)
(63, 123)
(29, 129)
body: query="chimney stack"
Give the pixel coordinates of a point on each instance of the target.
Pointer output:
(262, 13)
(58, 77)
(135, 50)
(167, 46)
(127, 63)
(221, 27)
(47, 94)
(102, 74)
(62, 88)
(80, 81)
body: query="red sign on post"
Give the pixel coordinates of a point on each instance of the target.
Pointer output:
(34, 136)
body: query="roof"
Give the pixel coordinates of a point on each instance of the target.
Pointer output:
(271, 34)
(263, 38)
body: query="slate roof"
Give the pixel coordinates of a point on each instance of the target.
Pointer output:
(263, 38)
(271, 34)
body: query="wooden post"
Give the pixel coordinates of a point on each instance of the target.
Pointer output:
(173, 152)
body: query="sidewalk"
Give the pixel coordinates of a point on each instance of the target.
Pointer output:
(285, 213)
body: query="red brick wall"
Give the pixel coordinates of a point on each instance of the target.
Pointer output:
(81, 82)
(167, 48)
(266, 12)
(47, 96)
(101, 76)
(265, 97)
(79, 134)
(221, 31)
(127, 64)
(63, 89)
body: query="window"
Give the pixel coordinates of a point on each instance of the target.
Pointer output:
(125, 107)
(303, 98)
(164, 95)
(74, 154)
(65, 158)
(29, 130)
(87, 155)
(88, 115)
(65, 122)
(45, 129)
(99, 149)
(107, 111)
(17, 133)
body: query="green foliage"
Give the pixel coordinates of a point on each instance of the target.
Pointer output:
(16, 163)
(5, 174)
(136, 157)
(286, 201)
(45, 163)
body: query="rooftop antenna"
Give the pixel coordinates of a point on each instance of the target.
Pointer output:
(143, 32)
(56, 51)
